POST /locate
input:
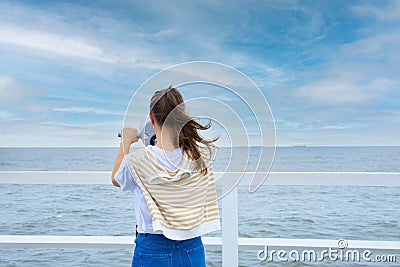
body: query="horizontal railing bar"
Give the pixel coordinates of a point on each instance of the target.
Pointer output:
(210, 243)
(112, 242)
(274, 178)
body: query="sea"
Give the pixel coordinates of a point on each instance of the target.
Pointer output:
(321, 212)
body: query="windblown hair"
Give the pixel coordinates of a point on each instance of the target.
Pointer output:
(169, 111)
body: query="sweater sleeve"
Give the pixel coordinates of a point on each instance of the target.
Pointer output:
(125, 178)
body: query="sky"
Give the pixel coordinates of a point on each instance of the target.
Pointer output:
(328, 69)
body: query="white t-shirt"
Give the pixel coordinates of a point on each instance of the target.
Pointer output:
(126, 181)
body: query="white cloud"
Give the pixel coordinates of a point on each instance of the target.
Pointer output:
(360, 72)
(55, 43)
(88, 110)
(162, 33)
(37, 134)
(390, 11)
(343, 89)
(136, 55)
(375, 47)
(63, 129)
(12, 91)
(8, 116)
(343, 126)
(106, 123)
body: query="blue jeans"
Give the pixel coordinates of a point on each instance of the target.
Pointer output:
(159, 251)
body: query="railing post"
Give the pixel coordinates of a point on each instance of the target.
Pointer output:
(230, 255)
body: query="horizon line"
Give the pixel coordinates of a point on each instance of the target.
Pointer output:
(282, 146)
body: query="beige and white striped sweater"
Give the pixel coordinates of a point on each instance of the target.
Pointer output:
(182, 203)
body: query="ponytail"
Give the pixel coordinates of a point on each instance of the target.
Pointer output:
(168, 109)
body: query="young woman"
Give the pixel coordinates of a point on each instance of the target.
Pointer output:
(173, 185)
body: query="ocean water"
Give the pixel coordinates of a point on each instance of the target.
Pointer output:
(329, 212)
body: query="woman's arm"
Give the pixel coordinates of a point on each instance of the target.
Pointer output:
(128, 137)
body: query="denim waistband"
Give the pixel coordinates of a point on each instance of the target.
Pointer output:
(161, 241)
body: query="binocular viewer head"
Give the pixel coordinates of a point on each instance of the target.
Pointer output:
(146, 134)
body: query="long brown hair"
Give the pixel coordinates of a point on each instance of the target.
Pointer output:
(169, 110)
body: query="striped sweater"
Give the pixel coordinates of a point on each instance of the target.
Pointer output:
(182, 203)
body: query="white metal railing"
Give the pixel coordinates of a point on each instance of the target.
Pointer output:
(229, 243)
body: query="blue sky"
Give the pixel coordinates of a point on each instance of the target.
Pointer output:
(329, 69)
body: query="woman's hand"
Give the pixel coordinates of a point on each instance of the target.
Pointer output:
(129, 136)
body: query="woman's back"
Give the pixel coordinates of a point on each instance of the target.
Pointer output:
(183, 202)
(126, 180)
(173, 182)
